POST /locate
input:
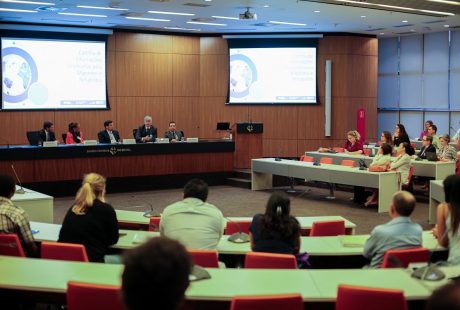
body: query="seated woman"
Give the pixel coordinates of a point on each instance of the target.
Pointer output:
(402, 162)
(400, 135)
(353, 144)
(276, 231)
(380, 162)
(74, 135)
(446, 152)
(91, 221)
(447, 229)
(424, 132)
(386, 138)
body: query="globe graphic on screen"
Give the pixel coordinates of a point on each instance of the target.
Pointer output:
(19, 73)
(243, 74)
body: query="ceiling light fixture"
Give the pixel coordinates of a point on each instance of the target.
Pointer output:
(445, 1)
(363, 16)
(446, 26)
(100, 8)
(180, 28)
(203, 23)
(78, 14)
(17, 10)
(28, 2)
(403, 8)
(286, 23)
(317, 11)
(150, 19)
(225, 17)
(404, 21)
(170, 13)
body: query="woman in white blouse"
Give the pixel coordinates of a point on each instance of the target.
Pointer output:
(380, 162)
(446, 152)
(403, 161)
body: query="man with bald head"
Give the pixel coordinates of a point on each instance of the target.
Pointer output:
(399, 233)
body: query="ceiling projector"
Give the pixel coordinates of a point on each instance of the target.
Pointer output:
(248, 15)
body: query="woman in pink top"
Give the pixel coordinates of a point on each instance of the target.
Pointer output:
(74, 135)
(424, 132)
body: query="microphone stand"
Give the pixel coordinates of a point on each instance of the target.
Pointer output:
(238, 237)
(21, 190)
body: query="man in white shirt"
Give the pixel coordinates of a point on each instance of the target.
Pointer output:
(192, 221)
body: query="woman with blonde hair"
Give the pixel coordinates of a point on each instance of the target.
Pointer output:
(353, 144)
(91, 221)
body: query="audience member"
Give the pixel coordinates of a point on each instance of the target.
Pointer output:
(448, 218)
(47, 133)
(192, 221)
(173, 134)
(447, 297)
(424, 132)
(427, 147)
(276, 231)
(456, 137)
(400, 135)
(156, 275)
(13, 219)
(91, 221)
(147, 132)
(432, 132)
(353, 144)
(399, 233)
(446, 152)
(381, 162)
(74, 135)
(402, 162)
(108, 135)
(386, 138)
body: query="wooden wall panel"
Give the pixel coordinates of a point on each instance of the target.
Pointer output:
(144, 74)
(186, 75)
(214, 75)
(185, 45)
(111, 73)
(280, 147)
(142, 42)
(362, 75)
(213, 45)
(185, 114)
(280, 122)
(311, 122)
(14, 125)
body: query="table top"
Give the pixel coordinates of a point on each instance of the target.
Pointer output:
(29, 195)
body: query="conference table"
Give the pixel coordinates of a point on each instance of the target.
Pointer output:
(46, 280)
(306, 222)
(38, 206)
(387, 183)
(436, 169)
(436, 197)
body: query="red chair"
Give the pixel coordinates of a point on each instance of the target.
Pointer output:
(83, 296)
(357, 297)
(308, 159)
(262, 260)
(205, 258)
(348, 162)
(413, 145)
(338, 149)
(270, 302)
(409, 186)
(367, 152)
(402, 258)
(154, 224)
(329, 228)
(64, 251)
(237, 226)
(326, 160)
(10, 245)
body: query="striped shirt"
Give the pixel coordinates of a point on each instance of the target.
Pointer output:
(13, 220)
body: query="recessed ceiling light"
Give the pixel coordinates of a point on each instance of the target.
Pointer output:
(445, 1)
(224, 17)
(382, 33)
(100, 8)
(170, 13)
(413, 30)
(18, 10)
(446, 26)
(28, 2)
(78, 14)
(363, 16)
(317, 11)
(150, 19)
(204, 1)
(266, 6)
(202, 23)
(286, 23)
(404, 21)
(180, 28)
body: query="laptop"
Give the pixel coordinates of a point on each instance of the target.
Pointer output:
(431, 156)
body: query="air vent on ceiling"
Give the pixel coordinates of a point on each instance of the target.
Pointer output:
(404, 25)
(203, 19)
(455, 27)
(376, 29)
(265, 25)
(65, 21)
(407, 32)
(50, 9)
(200, 5)
(132, 14)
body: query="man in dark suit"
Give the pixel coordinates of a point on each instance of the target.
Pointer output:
(173, 134)
(47, 133)
(427, 147)
(147, 132)
(108, 135)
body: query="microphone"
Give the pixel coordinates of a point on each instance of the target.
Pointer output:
(21, 190)
(238, 237)
(151, 213)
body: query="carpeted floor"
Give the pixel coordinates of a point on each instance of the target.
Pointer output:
(235, 201)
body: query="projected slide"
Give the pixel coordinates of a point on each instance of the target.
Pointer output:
(272, 75)
(53, 74)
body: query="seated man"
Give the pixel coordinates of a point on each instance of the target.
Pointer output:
(47, 133)
(108, 135)
(147, 132)
(192, 221)
(432, 131)
(173, 134)
(427, 147)
(399, 233)
(156, 275)
(13, 219)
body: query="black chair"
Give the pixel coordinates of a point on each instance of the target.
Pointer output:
(64, 136)
(33, 137)
(135, 132)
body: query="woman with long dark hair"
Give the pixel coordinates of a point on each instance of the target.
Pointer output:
(400, 135)
(276, 231)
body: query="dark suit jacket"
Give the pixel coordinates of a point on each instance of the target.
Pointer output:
(42, 135)
(423, 152)
(142, 132)
(170, 135)
(103, 136)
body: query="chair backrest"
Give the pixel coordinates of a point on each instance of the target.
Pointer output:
(10, 245)
(413, 145)
(154, 224)
(402, 258)
(64, 251)
(356, 297)
(269, 302)
(33, 137)
(408, 186)
(326, 160)
(83, 296)
(237, 226)
(367, 152)
(338, 149)
(64, 136)
(348, 162)
(204, 258)
(328, 228)
(270, 261)
(308, 159)
(135, 132)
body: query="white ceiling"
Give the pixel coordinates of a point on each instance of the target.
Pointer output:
(333, 15)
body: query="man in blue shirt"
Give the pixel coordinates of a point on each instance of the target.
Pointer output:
(399, 233)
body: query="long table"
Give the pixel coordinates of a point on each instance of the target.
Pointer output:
(38, 206)
(306, 222)
(436, 197)
(436, 169)
(387, 183)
